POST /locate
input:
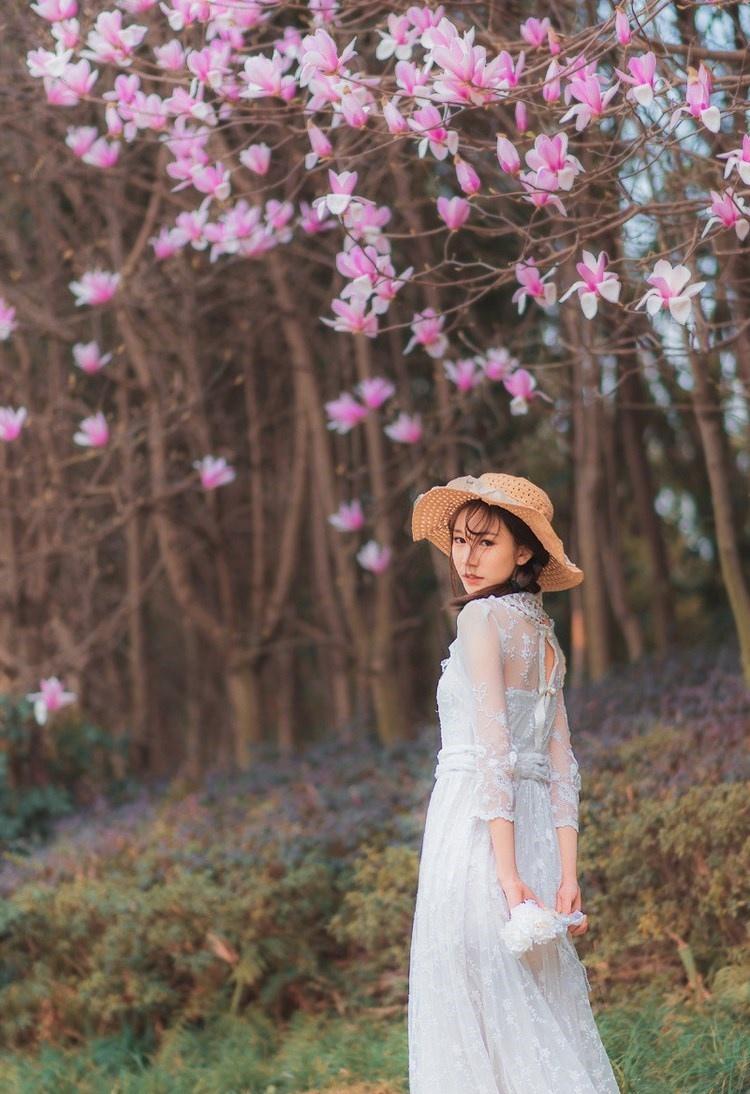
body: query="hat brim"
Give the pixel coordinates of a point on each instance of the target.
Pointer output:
(433, 510)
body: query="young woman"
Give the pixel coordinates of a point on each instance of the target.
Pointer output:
(502, 820)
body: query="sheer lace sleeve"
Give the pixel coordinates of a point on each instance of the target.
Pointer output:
(566, 781)
(479, 650)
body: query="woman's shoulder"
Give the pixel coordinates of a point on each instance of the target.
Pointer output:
(522, 603)
(485, 615)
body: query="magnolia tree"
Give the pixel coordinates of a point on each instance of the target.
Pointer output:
(496, 201)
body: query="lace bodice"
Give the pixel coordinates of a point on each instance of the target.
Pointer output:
(499, 713)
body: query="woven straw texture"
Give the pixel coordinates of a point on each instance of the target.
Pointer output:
(433, 509)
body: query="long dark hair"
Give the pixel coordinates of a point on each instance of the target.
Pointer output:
(524, 577)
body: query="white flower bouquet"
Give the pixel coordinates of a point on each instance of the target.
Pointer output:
(530, 925)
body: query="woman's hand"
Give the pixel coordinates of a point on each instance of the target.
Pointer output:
(516, 891)
(568, 900)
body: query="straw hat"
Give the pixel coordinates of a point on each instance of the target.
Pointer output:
(433, 509)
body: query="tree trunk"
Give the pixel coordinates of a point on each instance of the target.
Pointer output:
(633, 426)
(587, 456)
(708, 417)
(390, 716)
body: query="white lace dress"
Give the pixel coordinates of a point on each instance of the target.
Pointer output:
(480, 1020)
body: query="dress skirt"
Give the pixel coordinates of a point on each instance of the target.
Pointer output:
(481, 1020)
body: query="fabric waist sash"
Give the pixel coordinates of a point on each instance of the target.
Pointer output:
(528, 764)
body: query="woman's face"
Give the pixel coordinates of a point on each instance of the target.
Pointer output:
(486, 559)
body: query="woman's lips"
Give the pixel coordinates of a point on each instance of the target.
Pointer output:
(467, 578)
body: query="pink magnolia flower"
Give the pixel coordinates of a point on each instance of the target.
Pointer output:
(453, 211)
(551, 91)
(168, 242)
(427, 332)
(95, 287)
(550, 157)
(50, 698)
(468, 179)
(393, 117)
(521, 116)
(59, 94)
(374, 391)
(103, 153)
(507, 156)
(183, 13)
(670, 290)
(93, 431)
(320, 57)
(111, 43)
(534, 31)
(355, 107)
(522, 386)
(11, 422)
(428, 122)
(373, 557)
(264, 77)
(508, 71)
(595, 282)
(340, 195)
(323, 11)
(415, 81)
(540, 187)
(364, 222)
(75, 82)
(348, 518)
(322, 149)
(89, 357)
(730, 211)
(211, 65)
(55, 10)
(190, 227)
(7, 320)
(466, 77)
(738, 158)
(407, 428)
(67, 32)
(532, 285)
(43, 63)
(641, 74)
(388, 284)
(465, 373)
(398, 41)
(591, 102)
(498, 363)
(278, 215)
(80, 138)
(214, 471)
(170, 56)
(622, 28)
(698, 101)
(309, 221)
(211, 179)
(181, 104)
(344, 413)
(424, 18)
(353, 317)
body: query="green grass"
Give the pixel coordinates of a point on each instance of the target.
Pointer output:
(656, 1048)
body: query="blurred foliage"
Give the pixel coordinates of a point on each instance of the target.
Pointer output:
(48, 771)
(289, 891)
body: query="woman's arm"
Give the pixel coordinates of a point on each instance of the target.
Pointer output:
(480, 653)
(565, 789)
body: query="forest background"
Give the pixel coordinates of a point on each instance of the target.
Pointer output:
(269, 271)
